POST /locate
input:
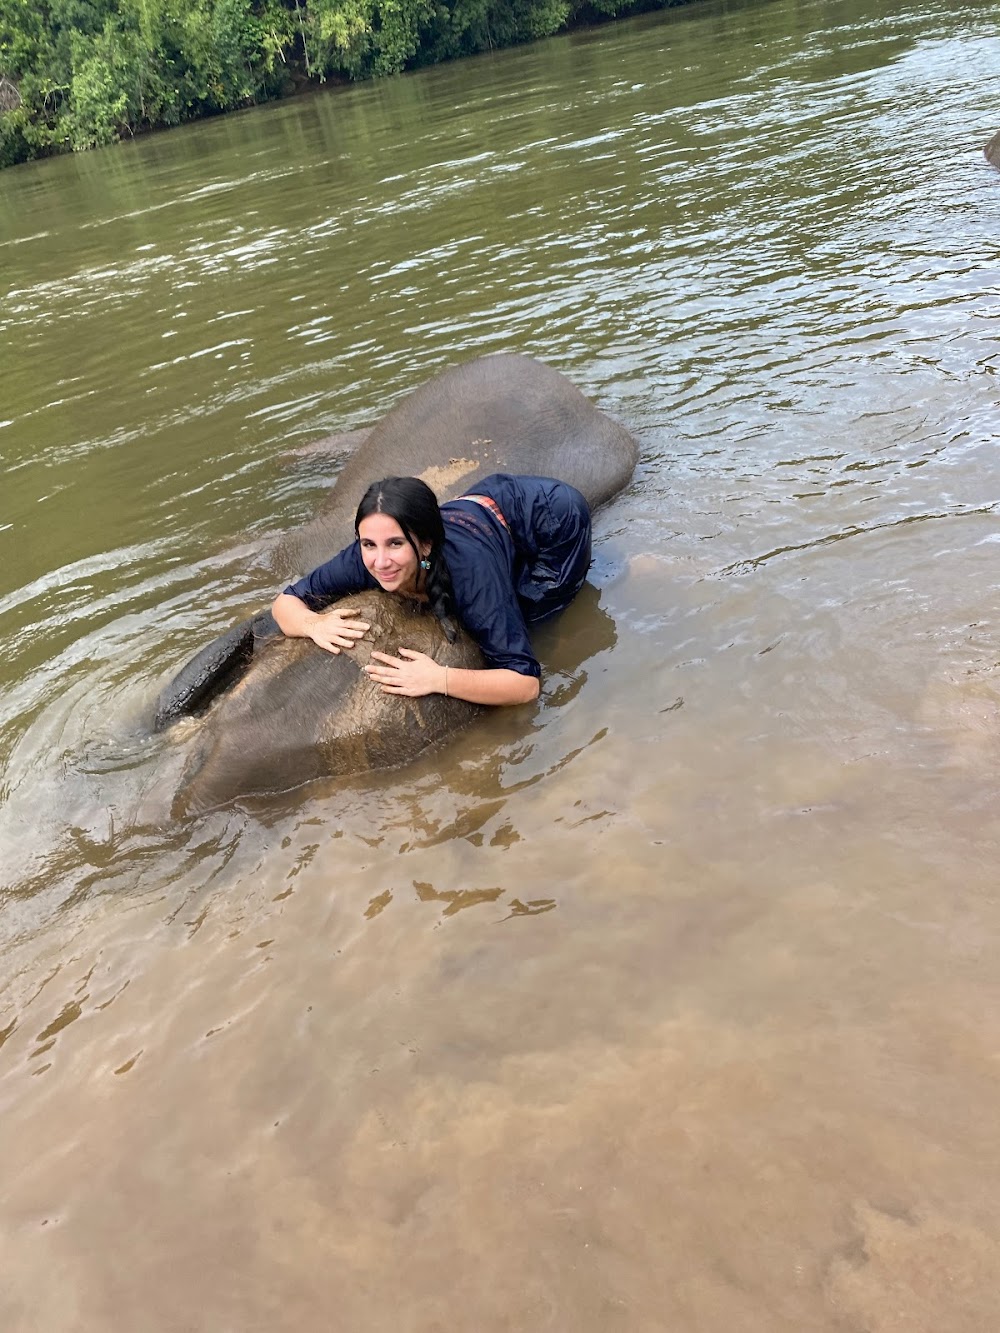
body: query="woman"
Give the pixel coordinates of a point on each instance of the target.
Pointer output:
(511, 553)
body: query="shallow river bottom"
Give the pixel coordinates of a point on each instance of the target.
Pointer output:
(667, 1022)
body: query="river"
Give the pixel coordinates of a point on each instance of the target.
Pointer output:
(670, 1003)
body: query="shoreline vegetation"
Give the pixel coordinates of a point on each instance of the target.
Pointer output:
(77, 74)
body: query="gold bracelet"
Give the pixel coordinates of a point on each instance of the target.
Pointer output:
(446, 695)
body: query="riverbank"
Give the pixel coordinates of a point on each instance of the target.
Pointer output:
(109, 72)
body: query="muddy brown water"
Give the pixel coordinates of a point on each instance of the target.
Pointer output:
(671, 1003)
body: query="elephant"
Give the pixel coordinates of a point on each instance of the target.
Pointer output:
(302, 713)
(992, 150)
(282, 712)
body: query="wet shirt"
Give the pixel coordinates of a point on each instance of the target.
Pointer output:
(484, 558)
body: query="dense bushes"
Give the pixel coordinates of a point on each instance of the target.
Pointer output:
(76, 73)
(87, 72)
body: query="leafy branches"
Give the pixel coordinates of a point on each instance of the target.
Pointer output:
(78, 73)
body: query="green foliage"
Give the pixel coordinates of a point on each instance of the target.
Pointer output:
(90, 71)
(87, 72)
(14, 146)
(595, 11)
(365, 38)
(463, 27)
(97, 102)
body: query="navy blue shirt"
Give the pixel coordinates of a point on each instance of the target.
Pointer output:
(485, 561)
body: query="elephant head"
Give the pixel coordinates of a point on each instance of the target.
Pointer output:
(304, 713)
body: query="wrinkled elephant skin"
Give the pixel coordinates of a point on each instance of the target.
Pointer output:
(992, 151)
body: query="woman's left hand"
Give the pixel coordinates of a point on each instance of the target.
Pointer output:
(411, 673)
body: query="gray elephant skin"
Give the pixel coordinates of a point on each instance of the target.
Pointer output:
(296, 712)
(992, 150)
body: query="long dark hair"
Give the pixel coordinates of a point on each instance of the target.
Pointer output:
(414, 506)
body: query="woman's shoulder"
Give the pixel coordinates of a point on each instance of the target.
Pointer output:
(343, 573)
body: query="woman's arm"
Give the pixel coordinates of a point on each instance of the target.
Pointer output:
(413, 674)
(332, 630)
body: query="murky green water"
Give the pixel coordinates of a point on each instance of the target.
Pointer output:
(671, 1004)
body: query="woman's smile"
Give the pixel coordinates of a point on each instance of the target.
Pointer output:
(388, 554)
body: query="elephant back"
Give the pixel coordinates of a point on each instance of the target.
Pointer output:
(500, 413)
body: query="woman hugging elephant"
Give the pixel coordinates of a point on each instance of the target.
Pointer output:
(424, 614)
(506, 556)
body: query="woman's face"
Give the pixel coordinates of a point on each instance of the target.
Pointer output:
(388, 556)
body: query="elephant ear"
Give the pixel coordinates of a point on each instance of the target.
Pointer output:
(218, 665)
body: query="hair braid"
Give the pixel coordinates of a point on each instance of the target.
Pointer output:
(441, 595)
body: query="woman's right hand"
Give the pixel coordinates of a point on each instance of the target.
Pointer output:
(335, 629)
(330, 630)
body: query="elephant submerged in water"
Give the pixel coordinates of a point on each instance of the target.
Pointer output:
(301, 713)
(296, 712)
